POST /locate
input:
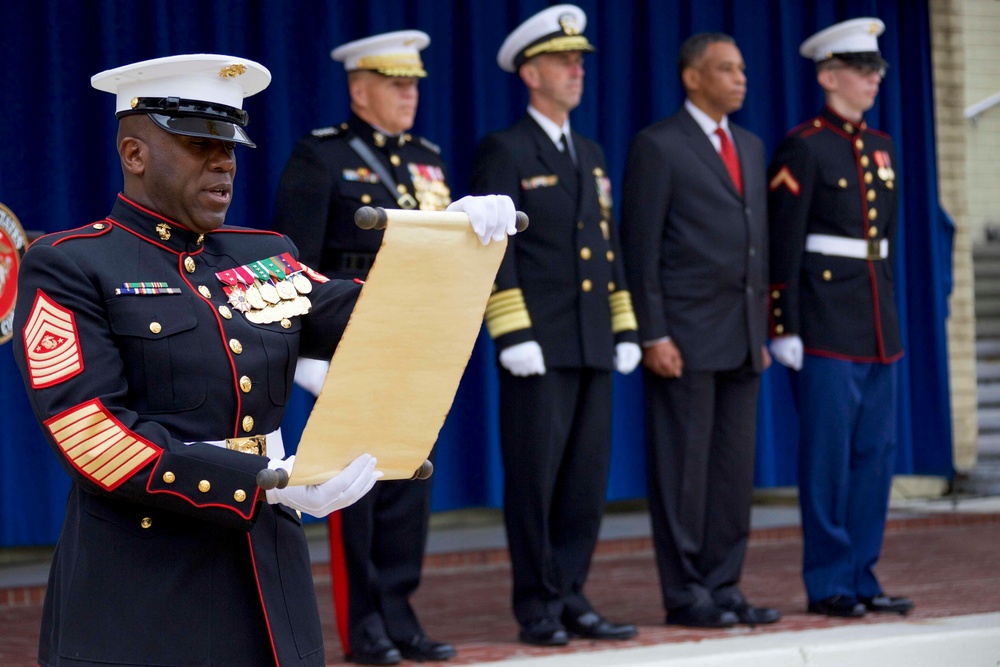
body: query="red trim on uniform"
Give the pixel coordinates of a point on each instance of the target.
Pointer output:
(245, 230)
(847, 357)
(94, 233)
(144, 238)
(263, 607)
(338, 579)
(784, 177)
(878, 318)
(152, 213)
(51, 343)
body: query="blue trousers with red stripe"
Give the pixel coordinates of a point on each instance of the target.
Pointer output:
(847, 413)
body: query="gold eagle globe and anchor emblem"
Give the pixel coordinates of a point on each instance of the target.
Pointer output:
(13, 241)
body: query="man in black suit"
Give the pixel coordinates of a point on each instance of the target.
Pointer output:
(562, 321)
(694, 234)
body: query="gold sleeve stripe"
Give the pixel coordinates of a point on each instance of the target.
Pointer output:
(506, 312)
(98, 445)
(51, 344)
(622, 315)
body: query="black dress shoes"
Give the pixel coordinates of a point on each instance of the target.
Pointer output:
(380, 652)
(594, 626)
(885, 603)
(843, 606)
(702, 616)
(751, 615)
(545, 632)
(422, 649)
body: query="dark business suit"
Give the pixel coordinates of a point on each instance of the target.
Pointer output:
(696, 256)
(561, 284)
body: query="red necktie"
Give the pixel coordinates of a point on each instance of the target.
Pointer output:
(729, 159)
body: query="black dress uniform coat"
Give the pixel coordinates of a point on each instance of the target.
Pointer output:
(696, 253)
(169, 554)
(381, 538)
(837, 178)
(561, 284)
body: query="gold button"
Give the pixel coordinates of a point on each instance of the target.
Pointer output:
(204, 486)
(245, 384)
(225, 312)
(775, 294)
(611, 287)
(888, 184)
(189, 265)
(169, 477)
(585, 253)
(146, 522)
(873, 232)
(394, 159)
(827, 275)
(134, 102)
(200, 239)
(204, 291)
(868, 177)
(610, 255)
(401, 188)
(579, 225)
(98, 225)
(816, 123)
(842, 182)
(859, 144)
(586, 285)
(848, 127)
(248, 423)
(366, 198)
(240, 495)
(236, 346)
(286, 323)
(872, 214)
(779, 329)
(298, 513)
(871, 195)
(155, 327)
(864, 161)
(777, 312)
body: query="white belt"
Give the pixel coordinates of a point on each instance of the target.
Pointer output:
(275, 447)
(840, 246)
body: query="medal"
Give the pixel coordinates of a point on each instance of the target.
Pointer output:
(254, 297)
(301, 284)
(286, 290)
(269, 293)
(238, 299)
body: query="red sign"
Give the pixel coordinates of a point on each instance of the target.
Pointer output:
(12, 244)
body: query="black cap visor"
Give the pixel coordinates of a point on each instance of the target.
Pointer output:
(866, 60)
(190, 126)
(194, 118)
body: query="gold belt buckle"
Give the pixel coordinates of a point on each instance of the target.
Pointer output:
(255, 444)
(874, 250)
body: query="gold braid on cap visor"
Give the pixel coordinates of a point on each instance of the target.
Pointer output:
(564, 43)
(399, 64)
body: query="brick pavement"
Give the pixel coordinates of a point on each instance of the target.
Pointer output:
(949, 565)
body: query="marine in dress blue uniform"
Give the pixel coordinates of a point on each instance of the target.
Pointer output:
(562, 320)
(161, 394)
(377, 545)
(833, 217)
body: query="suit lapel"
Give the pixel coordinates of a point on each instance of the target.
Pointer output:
(703, 148)
(561, 165)
(743, 151)
(588, 185)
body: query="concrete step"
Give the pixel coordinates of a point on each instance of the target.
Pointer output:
(986, 286)
(983, 480)
(989, 446)
(987, 371)
(989, 420)
(987, 306)
(987, 328)
(988, 394)
(988, 349)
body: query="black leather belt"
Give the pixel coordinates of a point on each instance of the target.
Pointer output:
(354, 262)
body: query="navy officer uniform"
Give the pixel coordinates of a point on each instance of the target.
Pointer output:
(833, 218)
(562, 320)
(377, 545)
(161, 391)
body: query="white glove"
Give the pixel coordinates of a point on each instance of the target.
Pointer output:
(492, 216)
(310, 374)
(345, 489)
(523, 359)
(787, 351)
(627, 357)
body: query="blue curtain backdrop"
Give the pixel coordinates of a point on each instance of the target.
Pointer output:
(58, 169)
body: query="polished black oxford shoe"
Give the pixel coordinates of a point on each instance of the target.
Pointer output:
(380, 652)
(422, 648)
(702, 616)
(751, 615)
(546, 632)
(843, 606)
(888, 604)
(594, 626)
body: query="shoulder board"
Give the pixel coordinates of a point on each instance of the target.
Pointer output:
(429, 145)
(331, 131)
(93, 230)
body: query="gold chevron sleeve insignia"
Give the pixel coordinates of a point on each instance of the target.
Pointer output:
(506, 312)
(51, 343)
(622, 315)
(784, 177)
(98, 445)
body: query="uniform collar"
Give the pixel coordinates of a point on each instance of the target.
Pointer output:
(836, 120)
(554, 131)
(155, 228)
(373, 135)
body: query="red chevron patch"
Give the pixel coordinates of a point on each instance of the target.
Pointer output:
(51, 343)
(784, 177)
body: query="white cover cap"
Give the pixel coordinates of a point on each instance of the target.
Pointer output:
(391, 53)
(853, 36)
(558, 28)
